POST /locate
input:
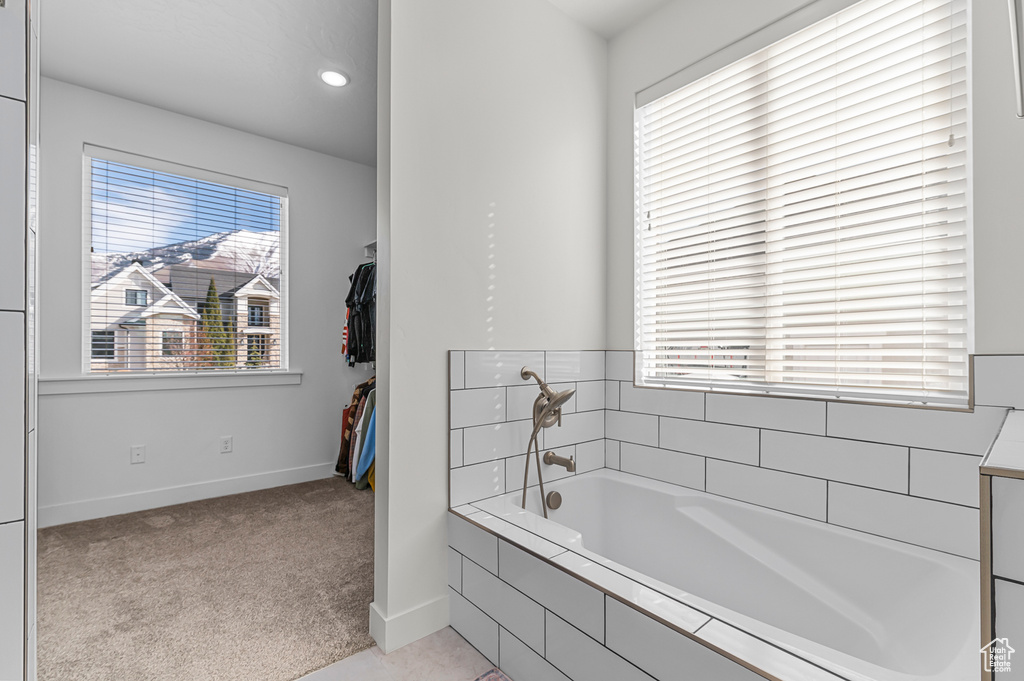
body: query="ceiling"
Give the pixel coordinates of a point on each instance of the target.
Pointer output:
(250, 64)
(608, 18)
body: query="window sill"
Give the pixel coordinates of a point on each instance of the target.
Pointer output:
(79, 385)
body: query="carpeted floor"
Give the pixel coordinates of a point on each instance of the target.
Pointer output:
(265, 586)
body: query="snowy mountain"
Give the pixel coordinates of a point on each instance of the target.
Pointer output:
(239, 250)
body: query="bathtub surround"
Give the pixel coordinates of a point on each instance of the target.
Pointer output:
(902, 473)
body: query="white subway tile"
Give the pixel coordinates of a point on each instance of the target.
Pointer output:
(476, 482)
(466, 509)
(639, 428)
(580, 604)
(474, 625)
(999, 380)
(514, 468)
(455, 447)
(589, 395)
(619, 365)
(586, 365)
(457, 370)
(479, 546)
(687, 404)
(774, 489)
(504, 605)
(611, 454)
(859, 463)
(1007, 528)
(650, 600)
(524, 538)
(522, 397)
(944, 476)
(663, 652)
(611, 394)
(951, 431)
(518, 661)
(583, 659)
(575, 428)
(477, 407)
(777, 413)
(589, 456)
(716, 440)
(932, 524)
(12, 599)
(12, 416)
(454, 569)
(488, 368)
(1010, 621)
(776, 661)
(661, 464)
(487, 443)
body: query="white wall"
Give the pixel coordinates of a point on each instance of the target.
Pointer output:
(685, 31)
(496, 232)
(282, 434)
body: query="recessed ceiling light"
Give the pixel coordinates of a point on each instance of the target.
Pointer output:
(334, 78)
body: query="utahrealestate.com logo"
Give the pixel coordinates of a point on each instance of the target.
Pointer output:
(997, 655)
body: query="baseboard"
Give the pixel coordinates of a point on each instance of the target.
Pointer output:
(71, 512)
(412, 625)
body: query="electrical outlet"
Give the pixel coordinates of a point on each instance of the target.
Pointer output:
(138, 454)
(226, 444)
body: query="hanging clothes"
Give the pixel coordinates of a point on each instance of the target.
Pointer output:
(368, 453)
(362, 415)
(348, 426)
(361, 328)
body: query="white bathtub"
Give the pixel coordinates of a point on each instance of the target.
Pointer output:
(861, 606)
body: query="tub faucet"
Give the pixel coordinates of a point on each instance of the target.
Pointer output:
(547, 412)
(553, 459)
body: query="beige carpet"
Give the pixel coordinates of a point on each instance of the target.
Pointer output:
(263, 586)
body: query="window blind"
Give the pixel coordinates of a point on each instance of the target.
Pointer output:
(175, 265)
(802, 217)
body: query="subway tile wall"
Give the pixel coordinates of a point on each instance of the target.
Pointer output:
(491, 418)
(891, 471)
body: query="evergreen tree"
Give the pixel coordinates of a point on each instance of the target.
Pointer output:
(216, 334)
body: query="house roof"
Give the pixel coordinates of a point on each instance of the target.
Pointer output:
(191, 283)
(168, 298)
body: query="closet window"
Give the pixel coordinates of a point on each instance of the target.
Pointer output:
(182, 263)
(802, 214)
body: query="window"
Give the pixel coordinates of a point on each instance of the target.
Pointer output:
(135, 297)
(256, 349)
(202, 244)
(802, 217)
(103, 344)
(172, 343)
(258, 315)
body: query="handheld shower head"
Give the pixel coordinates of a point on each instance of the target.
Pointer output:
(547, 406)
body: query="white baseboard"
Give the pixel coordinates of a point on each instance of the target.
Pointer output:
(71, 512)
(391, 633)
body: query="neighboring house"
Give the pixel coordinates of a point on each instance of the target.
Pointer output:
(138, 324)
(144, 321)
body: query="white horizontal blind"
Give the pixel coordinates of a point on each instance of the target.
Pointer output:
(802, 213)
(185, 273)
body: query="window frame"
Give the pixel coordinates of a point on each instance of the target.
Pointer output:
(724, 57)
(202, 377)
(136, 291)
(113, 345)
(167, 349)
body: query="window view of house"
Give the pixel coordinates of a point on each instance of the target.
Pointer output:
(186, 273)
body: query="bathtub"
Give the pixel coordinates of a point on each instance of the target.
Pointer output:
(860, 606)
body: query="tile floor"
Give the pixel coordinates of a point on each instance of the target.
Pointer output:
(442, 656)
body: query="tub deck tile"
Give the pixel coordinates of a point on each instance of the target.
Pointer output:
(662, 605)
(767, 657)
